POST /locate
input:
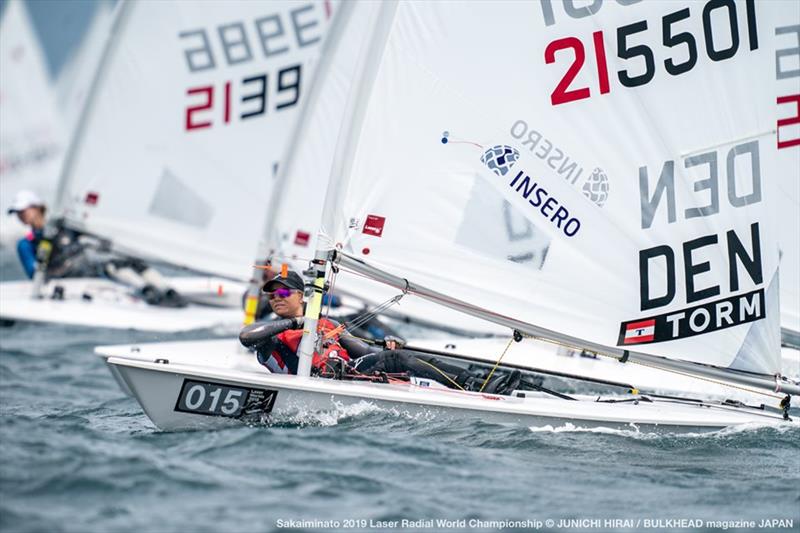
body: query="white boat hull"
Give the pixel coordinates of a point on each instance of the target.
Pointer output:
(229, 354)
(166, 389)
(97, 302)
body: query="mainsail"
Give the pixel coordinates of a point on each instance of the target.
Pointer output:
(632, 134)
(787, 119)
(31, 136)
(187, 119)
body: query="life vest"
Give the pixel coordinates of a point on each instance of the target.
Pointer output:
(284, 360)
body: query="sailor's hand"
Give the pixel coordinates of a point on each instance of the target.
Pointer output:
(43, 251)
(103, 245)
(391, 342)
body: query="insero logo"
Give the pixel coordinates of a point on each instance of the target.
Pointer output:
(596, 187)
(499, 159)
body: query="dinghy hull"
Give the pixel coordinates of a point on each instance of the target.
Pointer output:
(96, 302)
(186, 397)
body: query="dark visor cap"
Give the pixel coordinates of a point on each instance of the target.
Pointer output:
(291, 281)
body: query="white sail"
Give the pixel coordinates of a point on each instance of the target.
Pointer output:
(175, 155)
(293, 218)
(31, 136)
(294, 215)
(786, 29)
(648, 164)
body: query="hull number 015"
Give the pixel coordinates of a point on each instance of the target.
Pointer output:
(216, 399)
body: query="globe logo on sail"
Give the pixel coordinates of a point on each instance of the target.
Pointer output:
(596, 187)
(499, 159)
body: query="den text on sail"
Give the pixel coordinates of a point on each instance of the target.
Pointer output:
(708, 264)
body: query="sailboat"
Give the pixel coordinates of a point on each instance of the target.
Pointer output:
(290, 237)
(186, 121)
(640, 267)
(32, 139)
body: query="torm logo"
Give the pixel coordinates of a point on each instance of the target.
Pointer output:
(500, 159)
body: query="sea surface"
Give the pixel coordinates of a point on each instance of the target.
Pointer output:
(77, 455)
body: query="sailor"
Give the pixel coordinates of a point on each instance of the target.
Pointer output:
(373, 329)
(67, 255)
(276, 345)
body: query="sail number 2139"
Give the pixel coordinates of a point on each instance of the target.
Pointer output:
(721, 41)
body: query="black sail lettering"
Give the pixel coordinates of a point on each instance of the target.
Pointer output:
(751, 263)
(691, 269)
(644, 276)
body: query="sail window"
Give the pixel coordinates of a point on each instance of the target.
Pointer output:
(175, 201)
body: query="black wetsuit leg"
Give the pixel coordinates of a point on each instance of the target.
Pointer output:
(416, 364)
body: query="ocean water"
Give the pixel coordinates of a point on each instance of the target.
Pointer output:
(77, 455)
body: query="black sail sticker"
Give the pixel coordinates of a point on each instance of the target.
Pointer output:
(692, 321)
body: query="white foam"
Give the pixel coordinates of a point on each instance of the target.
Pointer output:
(635, 432)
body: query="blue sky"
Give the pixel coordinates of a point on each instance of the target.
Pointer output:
(60, 24)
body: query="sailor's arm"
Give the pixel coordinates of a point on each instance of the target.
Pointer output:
(27, 256)
(259, 334)
(357, 348)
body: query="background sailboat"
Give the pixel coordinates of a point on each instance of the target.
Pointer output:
(32, 137)
(184, 125)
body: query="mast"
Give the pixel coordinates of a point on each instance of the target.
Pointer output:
(75, 142)
(270, 242)
(760, 381)
(123, 11)
(342, 162)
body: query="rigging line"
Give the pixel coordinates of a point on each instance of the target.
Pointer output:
(443, 374)
(660, 369)
(334, 272)
(497, 363)
(365, 317)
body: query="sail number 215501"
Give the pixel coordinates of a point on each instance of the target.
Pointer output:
(721, 38)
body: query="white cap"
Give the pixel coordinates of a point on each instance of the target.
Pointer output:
(23, 200)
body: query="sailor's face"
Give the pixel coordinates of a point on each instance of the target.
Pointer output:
(287, 306)
(31, 216)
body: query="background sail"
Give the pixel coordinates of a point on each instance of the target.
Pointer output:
(786, 28)
(290, 231)
(653, 168)
(189, 115)
(31, 136)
